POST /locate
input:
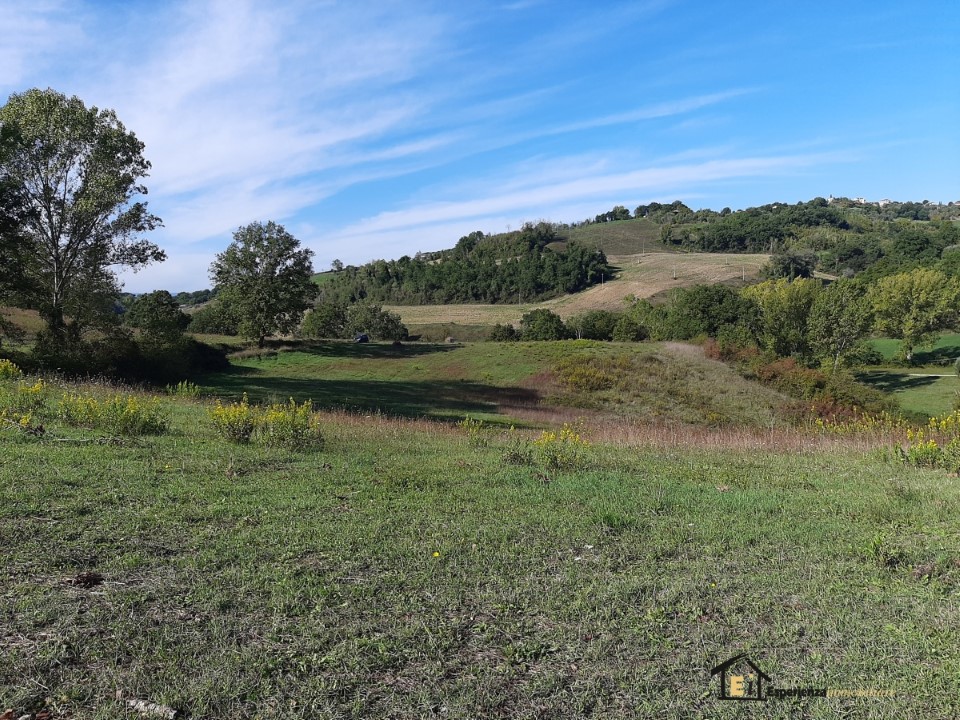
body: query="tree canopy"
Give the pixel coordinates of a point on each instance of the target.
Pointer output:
(914, 306)
(75, 173)
(264, 279)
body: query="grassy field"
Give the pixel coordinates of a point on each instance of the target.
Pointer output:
(624, 237)
(505, 382)
(930, 386)
(412, 569)
(640, 275)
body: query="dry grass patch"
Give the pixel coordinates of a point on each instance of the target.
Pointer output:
(639, 275)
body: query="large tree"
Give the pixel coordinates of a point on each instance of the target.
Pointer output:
(77, 171)
(914, 306)
(839, 319)
(264, 278)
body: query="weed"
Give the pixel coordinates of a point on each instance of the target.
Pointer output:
(560, 450)
(185, 389)
(236, 421)
(475, 431)
(288, 425)
(295, 427)
(118, 414)
(518, 450)
(23, 397)
(9, 370)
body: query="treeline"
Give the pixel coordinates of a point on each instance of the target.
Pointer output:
(842, 238)
(522, 266)
(810, 321)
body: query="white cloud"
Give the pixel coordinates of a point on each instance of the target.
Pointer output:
(600, 186)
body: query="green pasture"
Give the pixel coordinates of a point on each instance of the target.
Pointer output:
(663, 382)
(413, 570)
(929, 386)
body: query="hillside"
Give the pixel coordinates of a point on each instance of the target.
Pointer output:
(642, 276)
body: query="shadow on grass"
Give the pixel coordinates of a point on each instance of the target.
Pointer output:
(946, 355)
(894, 381)
(348, 349)
(407, 398)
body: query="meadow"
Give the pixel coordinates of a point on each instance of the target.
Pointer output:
(420, 567)
(415, 569)
(505, 383)
(929, 386)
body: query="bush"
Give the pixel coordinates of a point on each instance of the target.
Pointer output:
(117, 414)
(542, 324)
(213, 319)
(376, 322)
(594, 324)
(288, 425)
(629, 329)
(295, 427)
(503, 333)
(326, 320)
(9, 370)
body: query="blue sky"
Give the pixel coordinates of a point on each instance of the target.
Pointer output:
(377, 129)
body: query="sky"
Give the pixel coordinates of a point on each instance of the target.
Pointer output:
(380, 129)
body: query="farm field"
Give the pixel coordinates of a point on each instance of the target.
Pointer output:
(411, 569)
(640, 275)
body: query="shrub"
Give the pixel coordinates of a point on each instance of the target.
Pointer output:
(503, 333)
(629, 329)
(118, 414)
(560, 450)
(542, 324)
(236, 422)
(9, 370)
(289, 425)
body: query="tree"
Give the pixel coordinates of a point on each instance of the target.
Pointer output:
(594, 324)
(785, 309)
(326, 320)
(264, 277)
(77, 171)
(542, 324)
(914, 306)
(158, 317)
(371, 319)
(839, 319)
(791, 264)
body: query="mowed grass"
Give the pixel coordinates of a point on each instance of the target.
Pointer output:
(409, 570)
(918, 391)
(504, 382)
(642, 276)
(930, 386)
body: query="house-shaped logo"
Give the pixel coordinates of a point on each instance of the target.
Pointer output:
(740, 679)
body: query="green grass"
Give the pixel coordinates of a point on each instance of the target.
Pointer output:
(944, 352)
(499, 381)
(624, 237)
(917, 388)
(408, 571)
(918, 391)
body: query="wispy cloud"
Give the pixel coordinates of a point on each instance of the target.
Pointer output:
(585, 186)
